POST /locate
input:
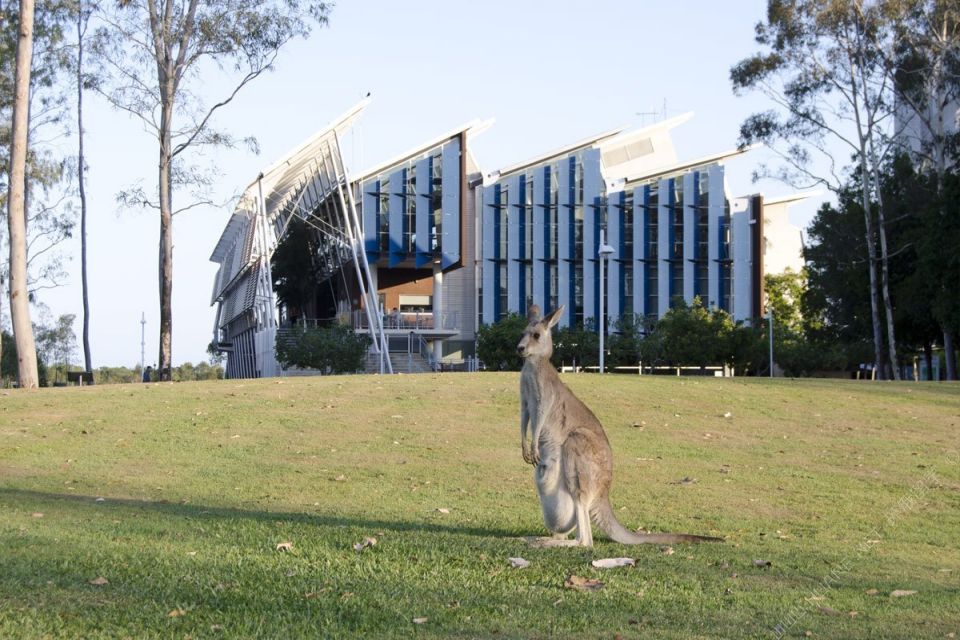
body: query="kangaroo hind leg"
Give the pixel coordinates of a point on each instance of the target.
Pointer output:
(579, 481)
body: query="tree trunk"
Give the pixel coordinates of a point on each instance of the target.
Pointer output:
(166, 260)
(949, 355)
(872, 269)
(855, 61)
(81, 160)
(928, 358)
(884, 263)
(16, 203)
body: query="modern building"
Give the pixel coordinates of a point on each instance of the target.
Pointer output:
(422, 249)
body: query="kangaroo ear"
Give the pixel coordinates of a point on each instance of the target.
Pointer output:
(533, 314)
(554, 317)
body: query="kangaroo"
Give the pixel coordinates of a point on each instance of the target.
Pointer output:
(569, 449)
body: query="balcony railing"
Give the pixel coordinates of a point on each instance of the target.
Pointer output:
(412, 321)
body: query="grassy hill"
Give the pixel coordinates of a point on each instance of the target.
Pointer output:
(157, 510)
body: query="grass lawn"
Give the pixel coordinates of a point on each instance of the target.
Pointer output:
(156, 511)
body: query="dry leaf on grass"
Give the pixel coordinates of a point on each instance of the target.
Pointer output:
(37, 514)
(366, 542)
(872, 592)
(667, 551)
(443, 510)
(828, 611)
(519, 563)
(99, 581)
(284, 546)
(176, 613)
(420, 620)
(582, 584)
(899, 593)
(340, 478)
(613, 563)
(762, 563)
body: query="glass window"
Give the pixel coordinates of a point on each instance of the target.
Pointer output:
(702, 255)
(436, 201)
(503, 306)
(410, 210)
(626, 234)
(652, 288)
(504, 207)
(578, 293)
(578, 210)
(552, 275)
(552, 214)
(527, 250)
(726, 263)
(676, 240)
(383, 210)
(627, 270)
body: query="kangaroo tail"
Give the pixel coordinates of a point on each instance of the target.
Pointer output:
(603, 516)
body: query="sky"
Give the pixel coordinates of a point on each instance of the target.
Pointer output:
(548, 73)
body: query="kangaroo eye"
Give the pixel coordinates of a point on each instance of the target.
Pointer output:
(536, 335)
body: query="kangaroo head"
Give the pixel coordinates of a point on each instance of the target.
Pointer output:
(537, 341)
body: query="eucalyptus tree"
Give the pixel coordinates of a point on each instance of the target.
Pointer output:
(16, 202)
(821, 68)
(83, 11)
(29, 168)
(161, 56)
(925, 70)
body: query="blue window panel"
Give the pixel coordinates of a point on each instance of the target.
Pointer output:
(398, 183)
(592, 192)
(450, 242)
(664, 246)
(513, 204)
(541, 230)
(565, 241)
(641, 197)
(422, 213)
(488, 253)
(370, 201)
(689, 235)
(716, 233)
(614, 265)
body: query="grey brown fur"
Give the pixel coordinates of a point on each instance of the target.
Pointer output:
(568, 447)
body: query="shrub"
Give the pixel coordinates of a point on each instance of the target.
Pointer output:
(330, 350)
(497, 343)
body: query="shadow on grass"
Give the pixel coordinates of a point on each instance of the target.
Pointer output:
(194, 511)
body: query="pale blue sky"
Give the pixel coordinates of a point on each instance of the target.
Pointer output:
(549, 73)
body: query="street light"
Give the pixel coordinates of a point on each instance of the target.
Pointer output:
(604, 251)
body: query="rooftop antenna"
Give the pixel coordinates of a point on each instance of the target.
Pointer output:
(656, 115)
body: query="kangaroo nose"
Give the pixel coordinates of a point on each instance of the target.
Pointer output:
(520, 348)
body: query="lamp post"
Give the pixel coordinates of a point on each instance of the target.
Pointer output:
(604, 251)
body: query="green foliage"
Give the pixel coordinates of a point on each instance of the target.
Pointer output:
(203, 371)
(801, 346)
(693, 334)
(497, 343)
(57, 343)
(116, 375)
(624, 347)
(9, 367)
(330, 350)
(51, 218)
(577, 345)
(922, 222)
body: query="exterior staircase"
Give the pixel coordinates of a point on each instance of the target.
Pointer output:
(402, 363)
